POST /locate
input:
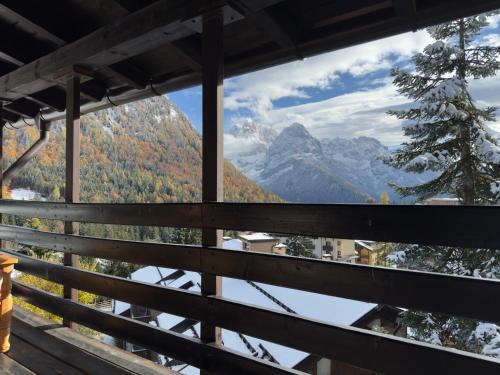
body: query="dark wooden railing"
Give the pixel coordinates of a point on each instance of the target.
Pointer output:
(443, 225)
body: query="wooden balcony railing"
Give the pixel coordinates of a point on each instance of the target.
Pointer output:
(467, 297)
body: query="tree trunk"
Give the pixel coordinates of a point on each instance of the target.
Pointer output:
(468, 189)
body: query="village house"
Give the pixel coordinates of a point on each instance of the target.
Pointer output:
(371, 252)
(262, 242)
(338, 249)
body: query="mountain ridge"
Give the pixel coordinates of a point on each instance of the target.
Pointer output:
(301, 168)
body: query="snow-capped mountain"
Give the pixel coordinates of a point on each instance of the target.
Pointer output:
(301, 168)
(246, 144)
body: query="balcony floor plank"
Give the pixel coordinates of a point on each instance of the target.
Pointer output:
(11, 367)
(35, 349)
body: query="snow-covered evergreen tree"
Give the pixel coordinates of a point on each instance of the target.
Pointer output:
(299, 246)
(447, 133)
(445, 125)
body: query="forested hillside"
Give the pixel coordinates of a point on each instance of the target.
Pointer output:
(142, 152)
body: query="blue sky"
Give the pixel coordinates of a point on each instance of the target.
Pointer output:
(344, 93)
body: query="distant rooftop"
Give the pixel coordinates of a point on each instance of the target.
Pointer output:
(366, 244)
(257, 237)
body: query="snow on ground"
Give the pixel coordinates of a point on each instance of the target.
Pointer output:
(173, 113)
(23, 194)
(233, 244)
(108, 131)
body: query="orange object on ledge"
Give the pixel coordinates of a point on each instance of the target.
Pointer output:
(6, 267)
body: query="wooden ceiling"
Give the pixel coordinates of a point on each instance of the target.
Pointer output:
(131, 49)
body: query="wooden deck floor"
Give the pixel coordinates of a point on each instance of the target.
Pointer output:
(40, 347)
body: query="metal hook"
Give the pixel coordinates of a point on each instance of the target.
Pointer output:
(152, 87)
(110, 101)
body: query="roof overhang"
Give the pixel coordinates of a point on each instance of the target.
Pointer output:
(126, 50)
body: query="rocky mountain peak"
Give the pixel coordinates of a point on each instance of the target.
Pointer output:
(248, 128)
(300, 168)
(295, 140)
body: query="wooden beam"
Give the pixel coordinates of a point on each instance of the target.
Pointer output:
(407, 10)
(138, 32)
(447, 294)
(463, 226)
(213, 156)
(29, 26)
(128, 73)
(326, 340)
(190, 53)
(53, 97)
(93, 90)
(102, 11)
(269, 24)
(420, 224)
(10, 116)
(181, 215)
(20, 47)
(75, 355)
(72, 187)
(214, 358)
(24, 107)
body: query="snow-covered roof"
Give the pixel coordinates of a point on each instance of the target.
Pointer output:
(280, 245)
(365, 244)
(233, 244)
(317, 306)
(257, 237)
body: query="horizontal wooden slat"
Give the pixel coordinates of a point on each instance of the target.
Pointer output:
(211, 357)
(323, 339)
(448, 294)
(464, 226)
(166, 255)
(454, 295)
(70, 354)
(181, 215)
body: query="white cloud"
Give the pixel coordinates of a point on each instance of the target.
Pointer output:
(492, 40)
(494, 21)
(364, 112)
(235, 145)
(360, 113)
(257, 91)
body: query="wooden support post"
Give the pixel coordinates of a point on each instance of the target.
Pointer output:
(213, 158)
(72, 188)
(6, 267)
